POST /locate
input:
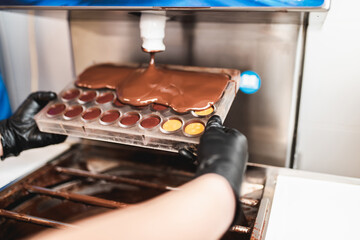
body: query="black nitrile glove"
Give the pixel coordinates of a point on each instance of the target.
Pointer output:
(223, 151)
(20, 132)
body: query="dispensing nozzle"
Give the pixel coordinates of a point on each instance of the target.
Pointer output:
(152, 30)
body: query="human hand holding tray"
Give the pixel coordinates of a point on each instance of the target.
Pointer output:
(98, 114)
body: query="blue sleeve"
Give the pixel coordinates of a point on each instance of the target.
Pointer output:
(5, 110)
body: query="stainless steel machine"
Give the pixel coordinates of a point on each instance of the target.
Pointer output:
(231, 39)
(269, 41)
(60, 42)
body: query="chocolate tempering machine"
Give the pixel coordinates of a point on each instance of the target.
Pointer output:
(92, 176)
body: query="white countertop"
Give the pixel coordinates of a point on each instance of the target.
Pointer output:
(314, 209)
(13, 168)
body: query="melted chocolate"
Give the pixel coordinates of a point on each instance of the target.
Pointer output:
(70, 94)
(158, 107)
(110, 116)
(181, 90)
(105, 98)
(130, 119)
(91, 114)
(73, 111)
(150, 121)
(86, 97)
(117, 103)
(56, 109)
(104, 76)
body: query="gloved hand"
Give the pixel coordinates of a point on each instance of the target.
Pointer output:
(223, 151)
(20, 132)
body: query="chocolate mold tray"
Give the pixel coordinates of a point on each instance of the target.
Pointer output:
(96, 114)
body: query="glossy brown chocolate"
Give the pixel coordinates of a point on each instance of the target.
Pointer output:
(73, 111)
(105, 98)
(104, 76)
(56, 109)
(88, 96)
(150, 121)
(110, 116)
(181, 90)
(158, 107)
(130, 119)
(70, 94)
(117, 103)
(91, 114)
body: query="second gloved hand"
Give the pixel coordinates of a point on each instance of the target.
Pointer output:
(20, 131)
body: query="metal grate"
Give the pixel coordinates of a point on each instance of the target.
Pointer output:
(73, 168)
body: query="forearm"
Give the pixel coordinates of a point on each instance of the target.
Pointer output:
(202, 209)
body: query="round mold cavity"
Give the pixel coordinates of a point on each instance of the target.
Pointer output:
(150, 121)
(105, 97)
(117, 103)
(158, 107)
(55, 109)
(193, 128)
(109, 117)
(70, 94)
(87, 97)
(139, 107)
(204, 113)
(171, 125)
(91, 114)
(73, 112)
(129, 119)
(178, 113)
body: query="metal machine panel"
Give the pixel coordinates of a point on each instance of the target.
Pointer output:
(265, 45)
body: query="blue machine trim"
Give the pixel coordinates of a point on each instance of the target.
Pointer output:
(5, 110)
(167, 3)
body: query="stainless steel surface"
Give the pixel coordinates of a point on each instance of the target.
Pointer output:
(268, 46)
(192, 16)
